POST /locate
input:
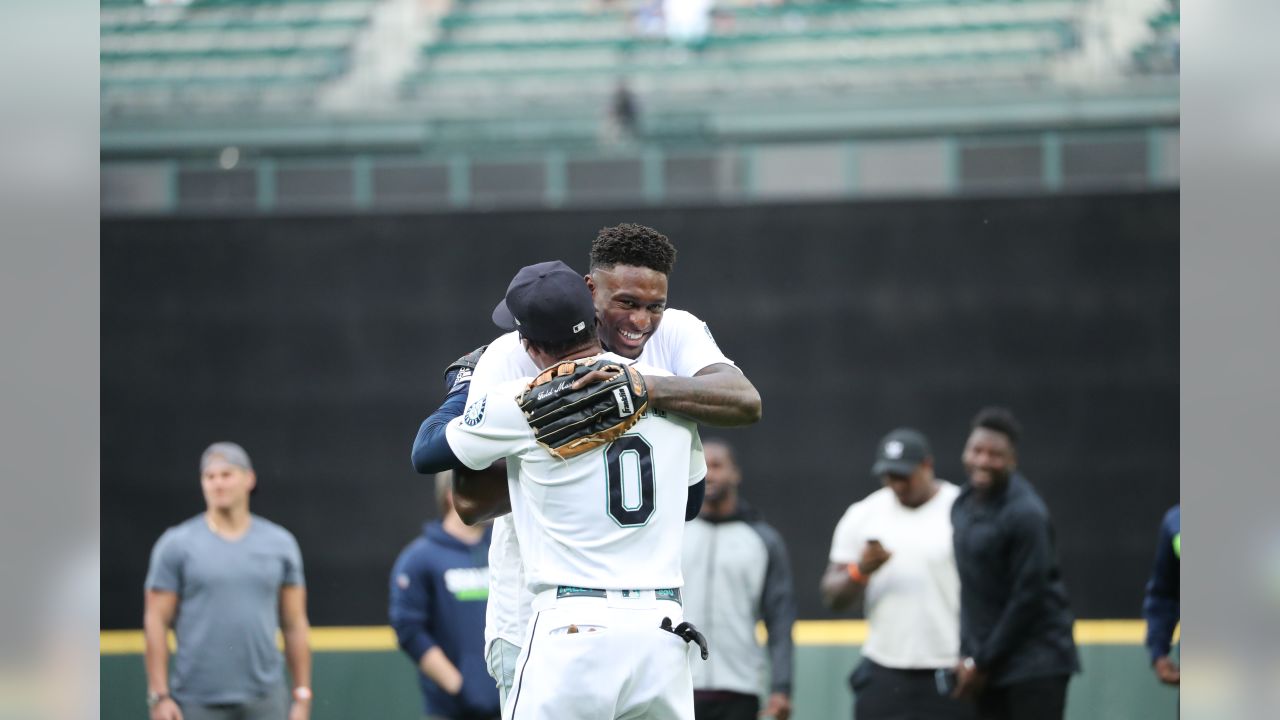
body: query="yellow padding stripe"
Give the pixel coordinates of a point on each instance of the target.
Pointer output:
(323, 639)
(806, 632)
(854, 632)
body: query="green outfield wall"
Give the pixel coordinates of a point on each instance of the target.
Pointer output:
(354, 682)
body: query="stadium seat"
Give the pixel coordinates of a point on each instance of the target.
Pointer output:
(224, 55)
(522, 54)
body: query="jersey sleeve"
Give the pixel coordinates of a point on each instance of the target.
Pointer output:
(691, 347)
(491, 427)
(165, 570)
(847, 541)
(697, 459)
(494, 367)
(293, 562)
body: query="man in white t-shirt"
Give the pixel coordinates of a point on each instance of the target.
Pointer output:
(600, 533)
(630, 266)
(893, 550)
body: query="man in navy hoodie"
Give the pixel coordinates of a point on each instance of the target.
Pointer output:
(1161, 606)
(439, 588)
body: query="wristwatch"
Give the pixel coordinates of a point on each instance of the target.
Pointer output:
(302, 693)
(154, 698)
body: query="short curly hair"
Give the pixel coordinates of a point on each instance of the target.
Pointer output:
(1001, 420)
(632, 244)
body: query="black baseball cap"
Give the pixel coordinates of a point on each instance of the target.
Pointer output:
(901, 452)
(547, 302)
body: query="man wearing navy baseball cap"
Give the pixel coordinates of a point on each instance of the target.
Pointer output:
(600, 565)
(548, 303)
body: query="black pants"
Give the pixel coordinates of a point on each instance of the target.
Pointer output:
(1035, 699)
(724, 705)
(881, 693)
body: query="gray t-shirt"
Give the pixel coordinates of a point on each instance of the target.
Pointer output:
(228, 607)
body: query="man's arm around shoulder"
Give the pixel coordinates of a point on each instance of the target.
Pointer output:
(717, 395)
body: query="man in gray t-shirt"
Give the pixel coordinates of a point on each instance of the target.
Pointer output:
(225, 581)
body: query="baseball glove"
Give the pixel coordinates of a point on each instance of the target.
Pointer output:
(576, 406)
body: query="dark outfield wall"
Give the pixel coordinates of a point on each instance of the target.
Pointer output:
(318, 343)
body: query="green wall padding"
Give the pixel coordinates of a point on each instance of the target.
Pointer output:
(1116, 685)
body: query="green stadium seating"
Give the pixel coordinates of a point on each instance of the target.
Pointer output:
(224, 55)
(501, 60)
(1160, 53)
(518, 54)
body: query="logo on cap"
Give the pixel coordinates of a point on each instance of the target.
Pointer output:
(579, 327)
(893, 449)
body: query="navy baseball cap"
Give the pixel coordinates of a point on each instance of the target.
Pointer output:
(901, 452)
(547, 302)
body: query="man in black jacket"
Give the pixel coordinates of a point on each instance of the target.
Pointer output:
(1015, 620)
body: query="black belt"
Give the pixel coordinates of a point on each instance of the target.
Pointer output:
(569, 591)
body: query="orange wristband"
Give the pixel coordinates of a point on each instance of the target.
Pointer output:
(856, 575)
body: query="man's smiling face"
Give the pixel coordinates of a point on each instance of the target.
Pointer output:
(629, 303)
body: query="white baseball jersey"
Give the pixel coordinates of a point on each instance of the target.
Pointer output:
(611, 518)
(913, 601)
(682, 345)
